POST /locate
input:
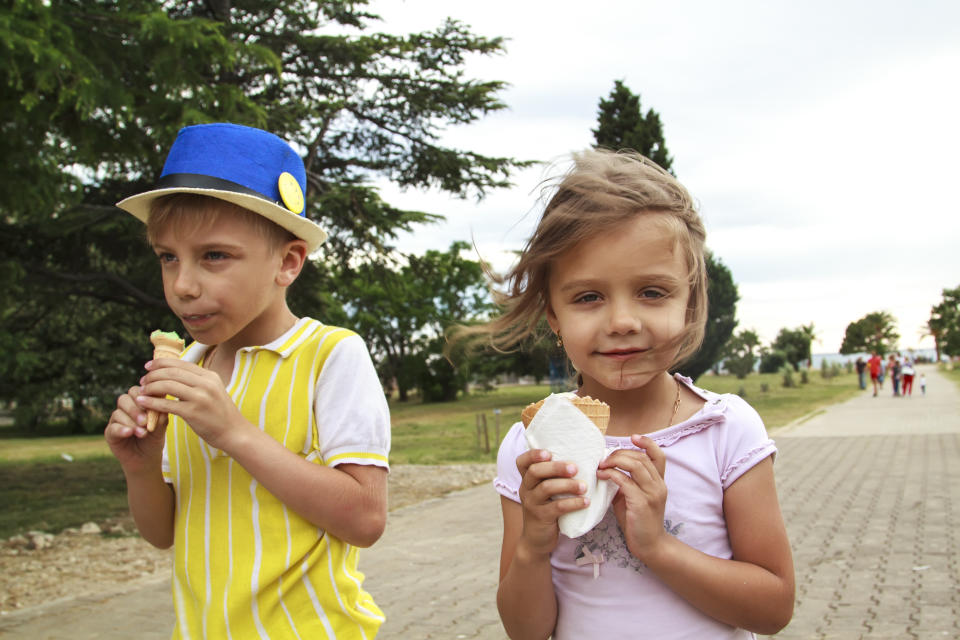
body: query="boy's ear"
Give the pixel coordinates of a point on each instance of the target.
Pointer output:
(293, 256)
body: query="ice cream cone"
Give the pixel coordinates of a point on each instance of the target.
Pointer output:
(597, 411)
(165, 345)
(529, 411)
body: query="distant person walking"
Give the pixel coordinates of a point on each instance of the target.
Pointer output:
(908, 372)
(923, 383)
(862, 373)
(894, 369)
(875, 364)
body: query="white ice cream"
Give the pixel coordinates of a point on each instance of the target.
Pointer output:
(563, 430)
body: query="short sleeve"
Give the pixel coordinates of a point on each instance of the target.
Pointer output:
(746, 442)
(353, 421)
(165, 466)
(507, 480)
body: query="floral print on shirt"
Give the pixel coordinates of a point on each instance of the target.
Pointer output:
(607, 539)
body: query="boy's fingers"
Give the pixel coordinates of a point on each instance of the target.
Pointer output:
(161, 405)
(116, 430)
(186, 376)
(161, 363)
(127, 403)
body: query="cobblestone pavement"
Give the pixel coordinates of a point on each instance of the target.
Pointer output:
(867, 487)
(869, 491)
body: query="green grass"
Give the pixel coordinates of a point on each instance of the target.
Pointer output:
(40, 490)
(779, 406)
(441, 433)
(52, 496)
(953, 373)
(14, 449)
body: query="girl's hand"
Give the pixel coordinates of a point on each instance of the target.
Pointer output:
(640, 502)
(201, 399)
(127, 436)
(542, 479)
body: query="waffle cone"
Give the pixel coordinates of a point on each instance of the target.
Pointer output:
(163, 347)
(597, 411)
(529, 411)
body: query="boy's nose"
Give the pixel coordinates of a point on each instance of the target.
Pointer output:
(185, 284)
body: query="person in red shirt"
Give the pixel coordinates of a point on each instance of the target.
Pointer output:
(875, 365)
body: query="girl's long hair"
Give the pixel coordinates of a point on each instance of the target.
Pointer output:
(602, 190)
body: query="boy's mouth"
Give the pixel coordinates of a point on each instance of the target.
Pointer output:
(195, 319)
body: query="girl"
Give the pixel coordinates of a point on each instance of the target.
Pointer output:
(694, 545)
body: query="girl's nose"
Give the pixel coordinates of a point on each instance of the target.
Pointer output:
(623, 318)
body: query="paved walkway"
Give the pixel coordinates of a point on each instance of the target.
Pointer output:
(868, 490)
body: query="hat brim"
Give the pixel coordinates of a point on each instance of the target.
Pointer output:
(300, 226)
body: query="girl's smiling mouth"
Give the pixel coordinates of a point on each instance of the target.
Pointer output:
(621, 354)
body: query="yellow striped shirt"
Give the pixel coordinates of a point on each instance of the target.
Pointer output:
(245, 566)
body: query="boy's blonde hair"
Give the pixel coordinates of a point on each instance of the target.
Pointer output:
(193, 213)
(601, 191)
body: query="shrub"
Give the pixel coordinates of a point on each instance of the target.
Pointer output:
(787, 372)
(772, 361)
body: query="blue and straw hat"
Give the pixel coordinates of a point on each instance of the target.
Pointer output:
(248, 167)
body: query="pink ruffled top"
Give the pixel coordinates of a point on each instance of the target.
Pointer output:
(605, 592)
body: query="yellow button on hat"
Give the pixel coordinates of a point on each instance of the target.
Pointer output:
(290, 192)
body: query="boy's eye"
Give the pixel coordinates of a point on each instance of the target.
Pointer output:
(215, 255)
(166, 257)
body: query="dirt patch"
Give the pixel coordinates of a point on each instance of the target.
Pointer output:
(109, 556)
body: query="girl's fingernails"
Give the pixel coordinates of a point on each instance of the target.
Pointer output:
(142, 420)
(586, 501)
(583, 487)
(571, 469)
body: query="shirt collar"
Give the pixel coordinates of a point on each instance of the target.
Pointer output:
(283, 346)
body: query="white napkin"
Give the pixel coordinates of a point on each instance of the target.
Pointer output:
(563, 430)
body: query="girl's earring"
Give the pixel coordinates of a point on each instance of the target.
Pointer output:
(559, 341)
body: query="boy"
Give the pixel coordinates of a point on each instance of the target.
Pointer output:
(271, 468)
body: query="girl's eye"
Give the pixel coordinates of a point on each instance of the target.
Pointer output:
(166, 257)
(587, 297)
(652, 294)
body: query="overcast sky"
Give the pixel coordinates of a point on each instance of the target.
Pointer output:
(820, 139)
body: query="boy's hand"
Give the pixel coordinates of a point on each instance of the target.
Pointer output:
(126, 434)
(542, 479)
(202, 400)
(642, 496)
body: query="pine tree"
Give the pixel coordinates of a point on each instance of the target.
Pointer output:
(621, 124)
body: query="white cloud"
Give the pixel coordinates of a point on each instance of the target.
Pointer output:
(818, 137)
